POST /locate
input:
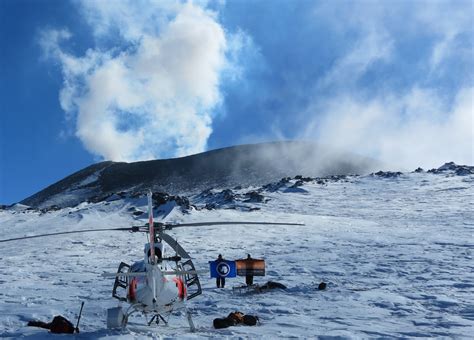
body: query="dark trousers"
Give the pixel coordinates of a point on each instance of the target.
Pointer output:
(220, 282)
(249, 280)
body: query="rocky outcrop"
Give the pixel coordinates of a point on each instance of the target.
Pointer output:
(387, 174)
(453, 168)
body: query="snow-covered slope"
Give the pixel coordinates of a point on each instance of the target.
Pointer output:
(396, 251)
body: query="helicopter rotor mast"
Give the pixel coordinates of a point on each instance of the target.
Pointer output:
(151, 226)
(153, 263)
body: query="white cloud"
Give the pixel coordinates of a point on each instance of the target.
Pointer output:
(417, 125)
(447, 22)
(50, 39)
(375, 45)
(409, 131)
(152, 93)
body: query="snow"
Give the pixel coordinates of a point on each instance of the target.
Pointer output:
(396, 253)
(90, 179)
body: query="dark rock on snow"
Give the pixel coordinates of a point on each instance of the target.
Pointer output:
(451, 167)
(387, 174)
(254, 197)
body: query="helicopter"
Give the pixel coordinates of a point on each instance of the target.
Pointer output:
(160, 283)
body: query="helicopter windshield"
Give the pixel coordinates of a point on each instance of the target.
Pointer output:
(158, 250)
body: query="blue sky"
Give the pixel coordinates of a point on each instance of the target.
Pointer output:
(83, 82)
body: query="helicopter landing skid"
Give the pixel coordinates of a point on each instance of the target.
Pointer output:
(157, 318)
(116, 318)
(190, 321)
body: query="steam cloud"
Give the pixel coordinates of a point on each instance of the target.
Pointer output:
(152, 98)
(149, 87)
(432, 134)
(418, 125)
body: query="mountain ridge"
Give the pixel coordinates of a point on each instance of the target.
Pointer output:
(249, 164)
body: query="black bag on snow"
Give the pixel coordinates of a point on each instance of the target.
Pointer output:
(221, 323)
(250, 320)
(61, 325)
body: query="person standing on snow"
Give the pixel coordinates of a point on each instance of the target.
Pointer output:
(249, 277)
(220, 280)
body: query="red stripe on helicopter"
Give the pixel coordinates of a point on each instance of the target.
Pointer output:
(181, 288)
(132, 289)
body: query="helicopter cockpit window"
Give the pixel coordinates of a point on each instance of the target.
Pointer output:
(157, 253)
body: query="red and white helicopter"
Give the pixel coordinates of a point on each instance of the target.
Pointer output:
(159, 284)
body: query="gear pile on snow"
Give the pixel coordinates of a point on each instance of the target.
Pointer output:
(59, 325)
(256, 288)
(234, 319)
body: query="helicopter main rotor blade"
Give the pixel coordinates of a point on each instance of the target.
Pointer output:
(68, 232)
(164, 272)
(201, 224)
(141, 229)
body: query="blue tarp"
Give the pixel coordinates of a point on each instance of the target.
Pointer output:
(223, 268)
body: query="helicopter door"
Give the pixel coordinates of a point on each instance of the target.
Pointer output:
(121, 282)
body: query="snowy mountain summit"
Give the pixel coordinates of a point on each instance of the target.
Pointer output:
(395, 250)
(244, 165)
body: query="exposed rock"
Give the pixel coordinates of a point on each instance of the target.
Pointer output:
(99, 198)
(464, 171)
(210, 206)
(136, 194)
(228, 195)
(206, 193)
(304, 179)
(387, 174)
(451, 167)
(272, 187)
(160, 198)
(448, 166)
(254, 197)
(50, 208)
(298, 183)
